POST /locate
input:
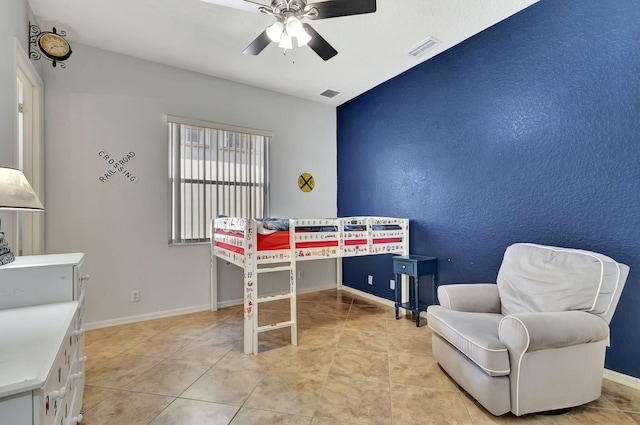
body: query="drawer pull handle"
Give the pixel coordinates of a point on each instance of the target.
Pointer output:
(82, 359)
(78, 332)
(59, 393)
(75, 419)
(78, 375)
(404, 267)
(84, 277)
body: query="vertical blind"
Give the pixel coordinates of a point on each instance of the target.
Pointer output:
(214, 169)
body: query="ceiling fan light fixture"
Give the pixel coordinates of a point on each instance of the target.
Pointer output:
(285, 42)
(291, 28)
(294, 26)
(303, 38)
(275, 31)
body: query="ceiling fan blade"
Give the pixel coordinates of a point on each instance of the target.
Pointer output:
(258, 44)
(319, 44)
(336, 8)
(247, 5)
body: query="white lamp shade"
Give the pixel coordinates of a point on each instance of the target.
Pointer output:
(303, 38)
(294, 26)
(285, 42)
(274, 32)
(15, 191)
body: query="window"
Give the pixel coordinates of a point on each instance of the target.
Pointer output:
(214, 169)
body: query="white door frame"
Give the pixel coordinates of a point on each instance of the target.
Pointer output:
(33, 157)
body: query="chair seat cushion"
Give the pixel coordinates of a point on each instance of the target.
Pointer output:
(474, 334)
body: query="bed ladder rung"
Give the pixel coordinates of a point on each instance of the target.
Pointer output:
(274, 326)
(274, 298)
(274, 269)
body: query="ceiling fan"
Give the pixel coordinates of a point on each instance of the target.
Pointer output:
(289, 28)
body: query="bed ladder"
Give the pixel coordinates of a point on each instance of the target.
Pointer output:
(291, 296)
(251, 291)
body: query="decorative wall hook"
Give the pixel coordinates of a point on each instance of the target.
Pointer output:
(51, 45)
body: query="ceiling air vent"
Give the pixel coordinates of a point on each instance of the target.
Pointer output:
(330, 93)
(423, 46)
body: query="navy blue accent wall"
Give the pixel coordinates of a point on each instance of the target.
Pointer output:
(527, 132)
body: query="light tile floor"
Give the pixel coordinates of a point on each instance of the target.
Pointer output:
(354, 364)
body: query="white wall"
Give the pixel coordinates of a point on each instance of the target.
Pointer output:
(104, 100)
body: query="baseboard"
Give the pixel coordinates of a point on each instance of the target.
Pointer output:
(231, 303)
(317, 288)
(368, 296)
(621, 378)
(177, 312)
(149, 316)
(362, 294)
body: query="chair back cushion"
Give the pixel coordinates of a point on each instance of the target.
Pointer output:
(537, 278)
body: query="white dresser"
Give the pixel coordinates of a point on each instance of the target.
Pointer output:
(41, 279)
(42, 340)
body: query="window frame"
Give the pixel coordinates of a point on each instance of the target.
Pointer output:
(29, 149)
(176, 161)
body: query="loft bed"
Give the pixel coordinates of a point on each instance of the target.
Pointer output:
(273, 245)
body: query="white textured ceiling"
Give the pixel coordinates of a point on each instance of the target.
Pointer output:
(209, 39)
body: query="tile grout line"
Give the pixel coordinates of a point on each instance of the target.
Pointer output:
(324, 383)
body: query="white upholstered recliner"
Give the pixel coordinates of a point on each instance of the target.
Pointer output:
(535, 341)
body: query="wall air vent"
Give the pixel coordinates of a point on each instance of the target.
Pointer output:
(330, 93)
(423, 46)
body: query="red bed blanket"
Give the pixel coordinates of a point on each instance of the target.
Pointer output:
(280, 240)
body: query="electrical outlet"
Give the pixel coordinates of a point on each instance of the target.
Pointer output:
(135, 296)
(370, 279)
(392, 284)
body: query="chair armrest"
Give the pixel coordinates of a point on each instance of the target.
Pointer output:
(472, 298)
(538, 331)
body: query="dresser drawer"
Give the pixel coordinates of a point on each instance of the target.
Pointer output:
(74, 416)
(41, 279)
(55, 391)
(76, 378)
(69, 407)
(404, 267)
(76, 383)
(54, 399)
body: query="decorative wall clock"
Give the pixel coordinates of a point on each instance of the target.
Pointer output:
(51, 45)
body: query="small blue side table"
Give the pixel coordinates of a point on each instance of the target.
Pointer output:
(414, 266)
